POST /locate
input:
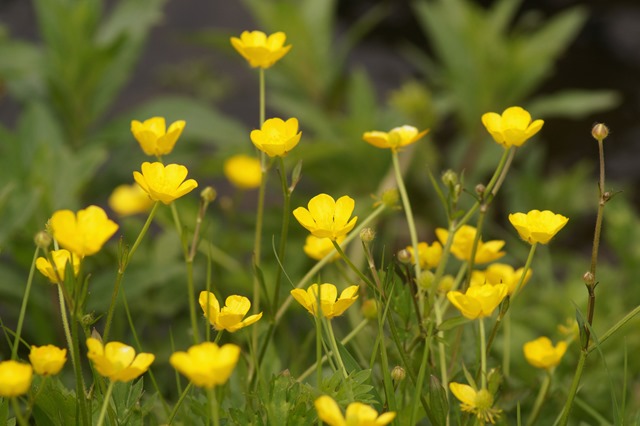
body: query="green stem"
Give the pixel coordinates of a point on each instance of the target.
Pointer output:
(421, 375)
(105, 404)
(574, 388)
(174, 412)
(23, 308)
(214, 406)
(81, 396)
(353, 267)
(476, 241)
(16, 410)
(192, 302)
(614, 329)
(526, 268)
(65, 325)
(542, 396)
(286, 194)
(334, 348)
(506, 345)
(483, 354)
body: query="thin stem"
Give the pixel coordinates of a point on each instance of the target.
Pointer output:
(526, 268)
(65, 325)
(421, 375)
(23, 308)
(286, 214)
(542, 396)
(174, 412)
(506, 345)
(334, 348)
(192, 303)
(353, 267)
(574, 388)
(16, 410)
(105, 404)
(483, 354)
(476, 241)
(213, 401)
(614, 329)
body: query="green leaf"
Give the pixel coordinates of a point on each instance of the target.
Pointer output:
(574, 104)
(55, 404)
(453, 323)
(438, 404)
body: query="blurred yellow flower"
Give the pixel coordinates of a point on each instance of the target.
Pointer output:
(83, 233)
(537, 226)
(317, 248)
(428, 255)
(395, 139)
(153, 136)
(358, 414)
(542, 354)
(47, 360)
(331, 305)
(243, 172)
(326, 217)
(478, 301)
(500, 273)
(15, 378)
(260, 50)
(512, 128)
(463, 243)
(475, 402)
(277, 137)
(56, 272)
(206, 364)
(230, 317)
(128, 200)
(117, 361)
(164, 183)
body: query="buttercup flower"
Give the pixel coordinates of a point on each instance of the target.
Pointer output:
(463, 243)
(478, 301)
(206, 364)
(542, 354)
(358, 414)
(277, 137)
(395, 139)
(127, 200)
(331, 305)
(537, 226)
(317, 248)
(83, 233)
(117, 361)
(476, 402)
(15, 378)
(428, 255)
(500, 273)
(164, 183)
(260, 50)
(153, 136)
(230, 316)
(327, 218)
(56, 272)
(243, 172)
(47, 360)
(513, 128)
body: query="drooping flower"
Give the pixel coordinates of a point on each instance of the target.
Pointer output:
(127, 200)
(428, 255)
(326, 217)
(463, 244)
(478, 301)
(317, 248)
(512, 128)
(83, 233)
(538, 226)
(243, 172)
(47, 360)
(117, 361)
(358, 414)
(15, 378)
(395, 138)
(206, 364)
(500, 273)
(230, 317)
(331, 305)
(56, 272)
(277, 137)
(260, 50)
(153, 136)
(164, 183)
(542, 354)
(478, 402)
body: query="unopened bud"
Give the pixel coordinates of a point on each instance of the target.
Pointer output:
(370, 309)
(607, 196)
(588, 278)
(367, 235)
(286, 373)
(445, 284)
(426, 280)
(208, 194)
(480, 188)
(599, 131)
(390, 197)
(450, 178)
(404, 256)
(398, 374)
(42, 240)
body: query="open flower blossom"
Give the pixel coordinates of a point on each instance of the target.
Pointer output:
(500, 273)
(153, 136)
(478, 301)
(15, 378)
(331, 305)
(47, 360)
(164, 183)
(317, 248)
(207, 365)
(395, 138)
(358, 414)
(538, 226)
(542, 354)
(463, 244)
(243, 171)
(83, 233)
(478, 402)
(117, 361)
(56, 272)
(277, 137)
(512, 128)
(326, 217)
(428, 255)
(230, 317)
(127, 200)
(259, 49)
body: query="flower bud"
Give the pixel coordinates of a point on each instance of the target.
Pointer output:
(208, 194)
(42, 240)
(370, 309)
(426, 280)
(390, 197)
(588, 278)
(367, 235)
(398, 374)
(445, 284)
(450, 178)
(599, 131)
(404, 256)
(480, 188)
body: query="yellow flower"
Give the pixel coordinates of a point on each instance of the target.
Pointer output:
(55, 272)
(542, 354)
(327, 218)
(478, 301)
(537, 226)
(15, 378)
(317, 248)
(47, 360)
(206, 364)
(83, 233)
(260, 50)
(117, 361)
(128, 200)
(331, 305)
(164, 183)
(463, 243)
(395, 139)
(358, 414)
(277, 137)
(230, 316)
(153, 136)
(500, 273)
(428, 255)
(513, 128)
(476, 402)
(243, 171)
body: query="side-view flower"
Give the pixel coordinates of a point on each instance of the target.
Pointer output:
(326, 217)
(83, 233)
(154, 137)
(331, 305)
(513, 127)
(230, 317)
(260, 50)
